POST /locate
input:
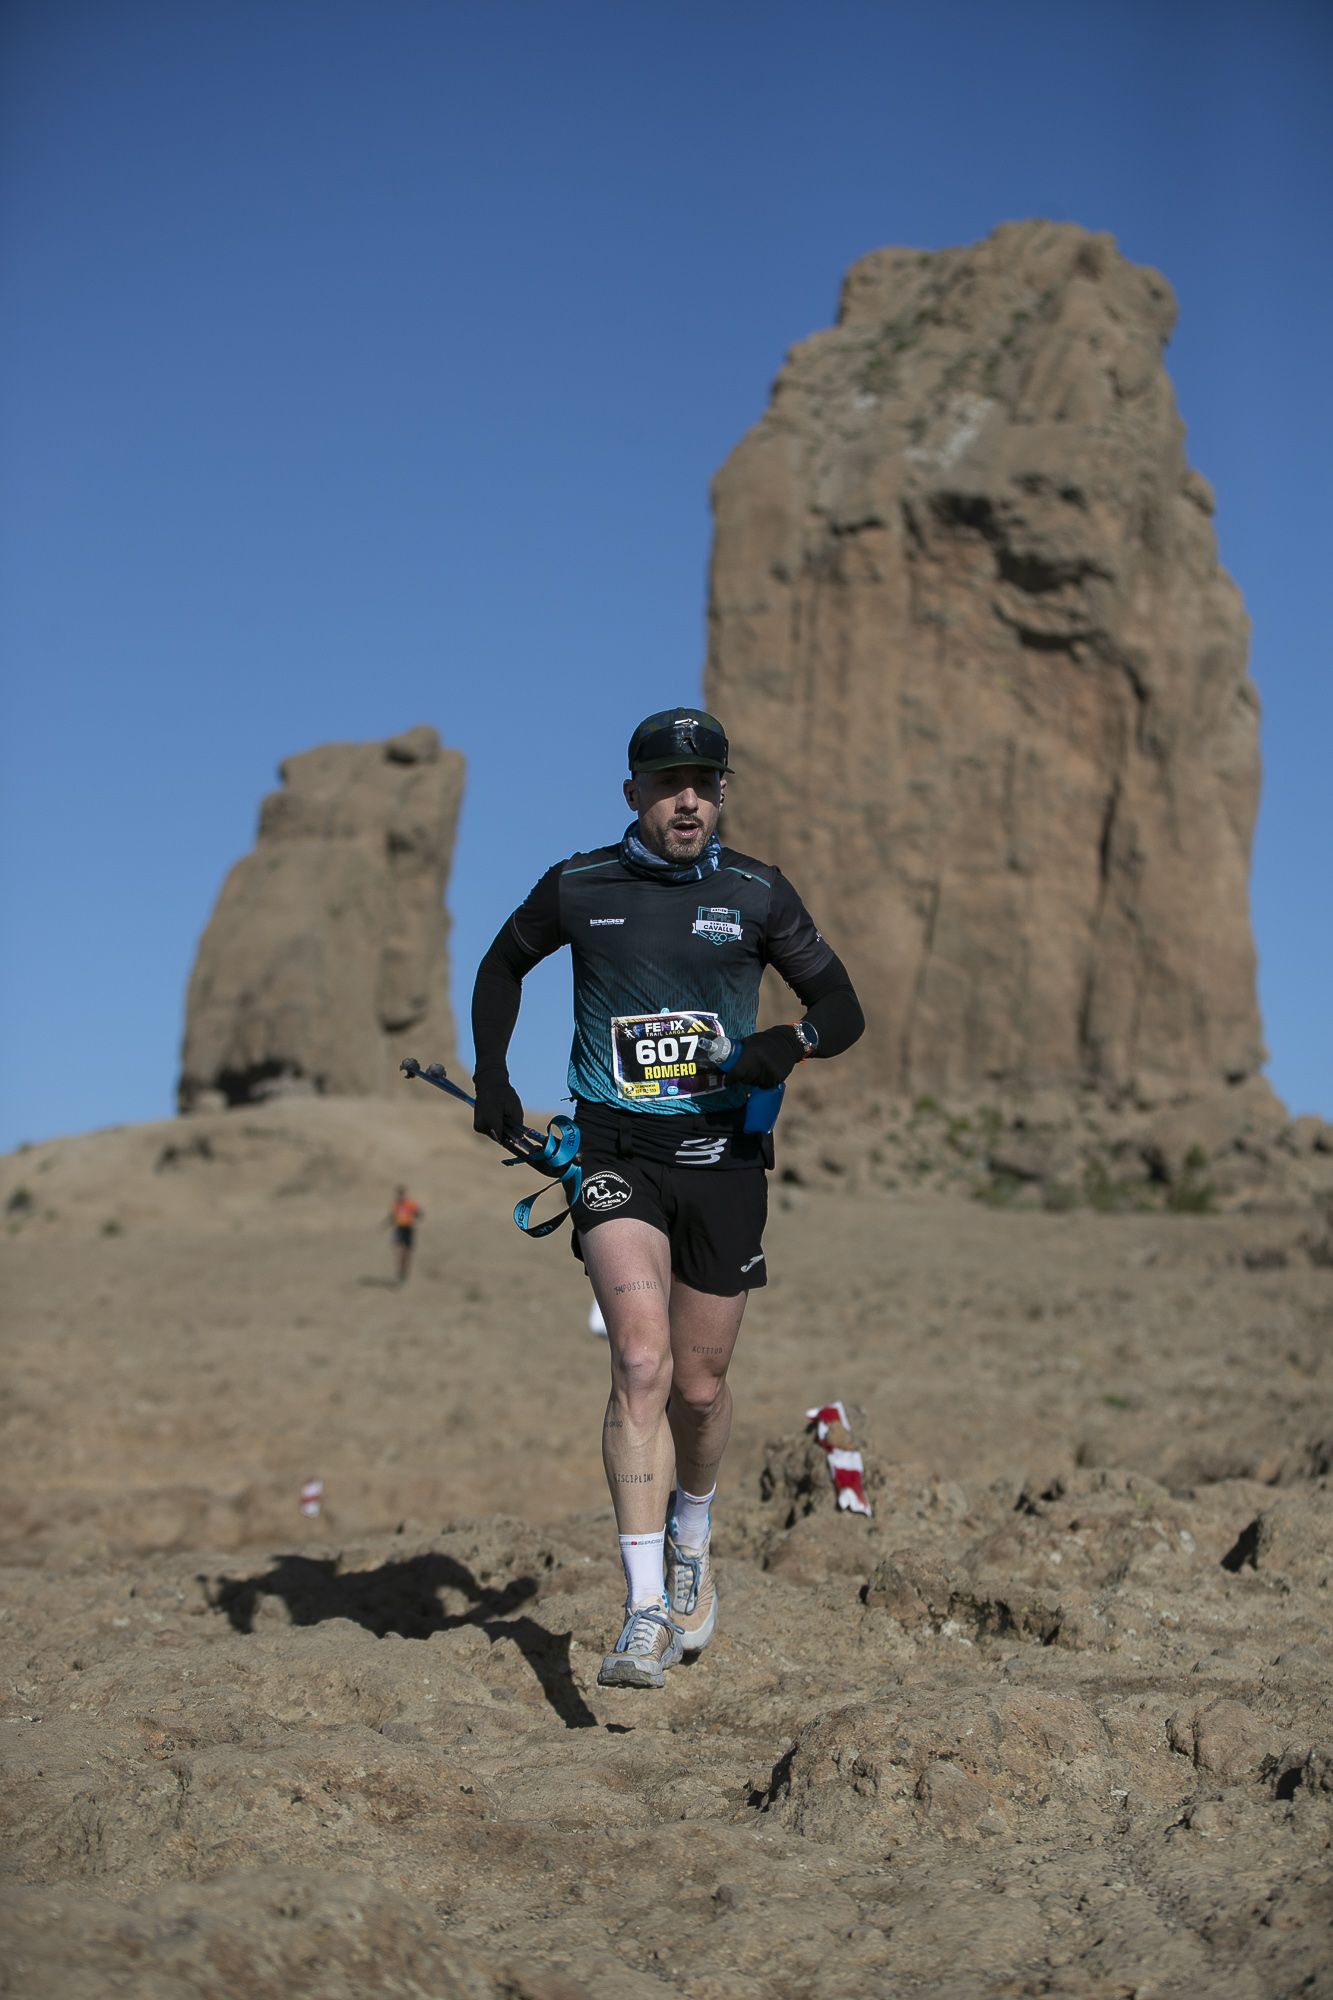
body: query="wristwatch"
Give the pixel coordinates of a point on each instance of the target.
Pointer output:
(808, 1038)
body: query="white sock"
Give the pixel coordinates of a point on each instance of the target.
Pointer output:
(690, 1517)
(642, 1557)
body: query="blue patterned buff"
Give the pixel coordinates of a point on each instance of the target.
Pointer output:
(641, 860)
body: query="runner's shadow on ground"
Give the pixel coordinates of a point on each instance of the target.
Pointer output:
(404, 1597)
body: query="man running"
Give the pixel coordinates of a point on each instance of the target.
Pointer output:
(670, 932)
(403, 1218)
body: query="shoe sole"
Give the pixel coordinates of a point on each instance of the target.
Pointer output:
(623, 1670)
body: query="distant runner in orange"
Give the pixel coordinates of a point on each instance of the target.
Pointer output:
(403, 1218)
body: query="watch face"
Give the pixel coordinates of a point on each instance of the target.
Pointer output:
(807, 1036)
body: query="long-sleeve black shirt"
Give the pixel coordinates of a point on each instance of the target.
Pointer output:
(659, 966)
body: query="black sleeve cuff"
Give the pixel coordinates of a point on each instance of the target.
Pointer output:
(832, 1009)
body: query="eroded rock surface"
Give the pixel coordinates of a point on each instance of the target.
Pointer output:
(1232, 1148)
(986, 680)
(325, 959)
(1055, 1719)
(387, 1767)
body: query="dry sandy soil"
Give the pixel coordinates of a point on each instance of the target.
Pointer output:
(1057, 1720)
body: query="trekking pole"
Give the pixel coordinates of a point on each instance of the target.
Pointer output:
(436, 1073)
(554, 1153)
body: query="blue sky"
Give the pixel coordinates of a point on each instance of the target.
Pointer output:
(367, 365)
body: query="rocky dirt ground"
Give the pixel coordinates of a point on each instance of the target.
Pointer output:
(1057, 1720)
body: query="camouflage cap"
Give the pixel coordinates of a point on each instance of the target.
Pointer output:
(679, 736)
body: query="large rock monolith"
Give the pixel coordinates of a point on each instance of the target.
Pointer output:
(325, 960)
(985, 681)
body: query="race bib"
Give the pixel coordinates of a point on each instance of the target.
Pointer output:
(657, 1055)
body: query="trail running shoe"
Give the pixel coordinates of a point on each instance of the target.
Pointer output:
(691, 1593)
(649, 1644)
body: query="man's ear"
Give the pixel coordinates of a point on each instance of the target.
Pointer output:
(631, 794)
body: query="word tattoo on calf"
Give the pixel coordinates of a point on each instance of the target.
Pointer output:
(638, 1285)
(636, 1478)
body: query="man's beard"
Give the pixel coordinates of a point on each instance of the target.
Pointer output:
(685, 844)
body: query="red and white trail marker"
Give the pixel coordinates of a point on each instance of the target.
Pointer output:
(846, 1465)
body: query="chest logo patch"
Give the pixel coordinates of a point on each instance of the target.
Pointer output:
(718, 925)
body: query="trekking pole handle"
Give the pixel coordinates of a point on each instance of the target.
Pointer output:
(435, 1073)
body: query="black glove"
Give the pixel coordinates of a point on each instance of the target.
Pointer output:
(499, 1108)
(767, 1059)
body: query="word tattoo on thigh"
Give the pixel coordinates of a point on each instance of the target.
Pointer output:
(635, 1478)
(638, 1285)
(708, 1350)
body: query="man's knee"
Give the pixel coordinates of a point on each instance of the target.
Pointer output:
(700, 1394)
(641, 1375)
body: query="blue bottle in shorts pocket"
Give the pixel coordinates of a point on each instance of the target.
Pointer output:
(762, 1106)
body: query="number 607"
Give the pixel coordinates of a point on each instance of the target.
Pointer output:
(668, 1049)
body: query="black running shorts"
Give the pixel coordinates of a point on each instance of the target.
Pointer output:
(713, 1219)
